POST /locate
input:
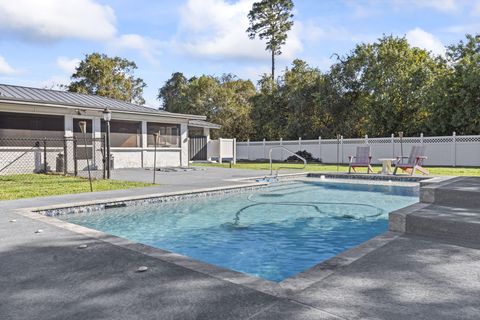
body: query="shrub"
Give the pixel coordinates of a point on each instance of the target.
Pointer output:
(304, 154)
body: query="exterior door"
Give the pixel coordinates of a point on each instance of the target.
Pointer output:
(198, 148)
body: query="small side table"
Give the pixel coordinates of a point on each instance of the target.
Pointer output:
(386, 165)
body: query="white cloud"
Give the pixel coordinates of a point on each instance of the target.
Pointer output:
(440, 5)
(462, 29)
(147, 47)
(67, 65)
(57, 19)
(5, 68)
(254, 72)
(420, 38)
(312, 32)
(54, 82)
(217, 29)
(476, 9)
(363, 9)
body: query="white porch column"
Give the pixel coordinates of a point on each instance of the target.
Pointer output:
(96, 127)
(68, 126)
(184, 145)
(206, 133)
(144, 143)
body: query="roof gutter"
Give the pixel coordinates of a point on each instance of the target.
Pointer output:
(167, 114)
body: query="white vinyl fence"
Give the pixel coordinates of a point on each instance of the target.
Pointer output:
(441, 151)
(222, 149)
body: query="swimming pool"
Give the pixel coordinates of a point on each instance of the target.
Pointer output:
(273, 232)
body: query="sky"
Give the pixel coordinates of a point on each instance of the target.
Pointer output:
(42, 41)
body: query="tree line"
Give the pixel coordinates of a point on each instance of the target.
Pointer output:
(377, 89)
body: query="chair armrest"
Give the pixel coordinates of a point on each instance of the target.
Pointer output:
(419, 160)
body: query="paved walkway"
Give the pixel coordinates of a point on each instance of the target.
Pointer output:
(194, 178)
(45, 276)
(167, 182)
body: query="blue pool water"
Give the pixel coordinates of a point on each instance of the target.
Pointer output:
(273, 233)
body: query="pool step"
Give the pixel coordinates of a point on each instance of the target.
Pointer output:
(448, 209)
(445, 222)
(461, 192)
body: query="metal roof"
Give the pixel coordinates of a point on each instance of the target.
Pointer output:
(203, 124)
(65, 98)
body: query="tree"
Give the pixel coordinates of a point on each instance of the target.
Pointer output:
(267, 111)
(303, 115)
(386, 85)
(454, 103)
(170, 94)
(225, 100)
(271, 20)
(101, 75)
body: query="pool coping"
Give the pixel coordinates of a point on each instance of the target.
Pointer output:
(285, 288)
(94, 205)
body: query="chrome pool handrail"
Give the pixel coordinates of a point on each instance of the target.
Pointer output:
(290, 151)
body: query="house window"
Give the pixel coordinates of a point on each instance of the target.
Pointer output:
(37, 126)
(124, 134)
(168, 134)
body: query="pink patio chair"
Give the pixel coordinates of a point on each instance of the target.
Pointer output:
(414, 162)
(362, 159)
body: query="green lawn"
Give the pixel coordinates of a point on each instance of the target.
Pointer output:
(40, 185)
(436, 171)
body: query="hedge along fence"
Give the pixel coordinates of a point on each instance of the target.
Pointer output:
(441, 151)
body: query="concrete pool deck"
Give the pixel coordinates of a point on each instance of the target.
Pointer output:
(45, 276)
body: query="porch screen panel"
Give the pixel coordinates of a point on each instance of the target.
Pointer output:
(124, 134)
(84, 143)
(168, 134)
(36, 126)
(77, 132)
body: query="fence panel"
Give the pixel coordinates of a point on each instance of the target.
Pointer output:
(227, 148)
(441, 151)
(52, 155)
(198, 148)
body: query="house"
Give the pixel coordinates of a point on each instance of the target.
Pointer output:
(41, 113)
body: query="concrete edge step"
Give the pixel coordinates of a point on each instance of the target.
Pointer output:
(441, 193)
(445, 227)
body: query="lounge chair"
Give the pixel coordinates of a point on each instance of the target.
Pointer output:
(414, 162)
(361, 160)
